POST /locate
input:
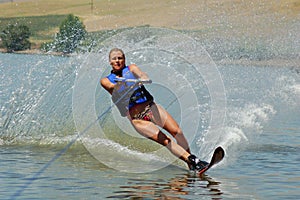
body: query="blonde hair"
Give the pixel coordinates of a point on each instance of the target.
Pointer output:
(114, 50)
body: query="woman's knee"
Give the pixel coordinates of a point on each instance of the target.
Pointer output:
(176, 132)
(163, 139)
(166, 141)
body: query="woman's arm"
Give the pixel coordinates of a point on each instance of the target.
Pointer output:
(138, 73)
(107, 85)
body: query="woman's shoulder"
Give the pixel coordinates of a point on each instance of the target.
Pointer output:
(132, 67)
(107, 84)
(104, 80)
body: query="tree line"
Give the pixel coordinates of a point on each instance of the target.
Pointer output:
(15, 37)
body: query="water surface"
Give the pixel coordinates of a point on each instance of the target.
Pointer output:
(260, 135)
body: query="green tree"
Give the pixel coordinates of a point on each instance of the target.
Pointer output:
(15, 37)
(71, 32)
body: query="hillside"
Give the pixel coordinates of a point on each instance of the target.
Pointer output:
(262, 21)
(180, 14)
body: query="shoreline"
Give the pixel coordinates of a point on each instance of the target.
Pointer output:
(273, 62)
(231, 30)
(33, 52)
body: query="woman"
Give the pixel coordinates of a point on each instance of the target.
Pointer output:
(135, 102)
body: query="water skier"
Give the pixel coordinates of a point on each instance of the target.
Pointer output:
(144, 114)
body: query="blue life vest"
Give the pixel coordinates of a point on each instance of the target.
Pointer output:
(125, 99)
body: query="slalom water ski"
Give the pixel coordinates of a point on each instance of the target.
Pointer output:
(218, 155)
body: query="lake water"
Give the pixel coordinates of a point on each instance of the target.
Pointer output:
(50, 148)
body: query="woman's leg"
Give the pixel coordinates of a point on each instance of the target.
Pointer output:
(151, 131)
(163, 119)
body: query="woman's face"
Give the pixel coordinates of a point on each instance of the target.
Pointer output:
(117, 60)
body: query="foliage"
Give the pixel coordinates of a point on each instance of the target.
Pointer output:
(71, 32)
(15, 37)
(47, 46)
(42, 28)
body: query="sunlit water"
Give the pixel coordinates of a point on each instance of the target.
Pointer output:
(261, 136)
